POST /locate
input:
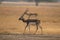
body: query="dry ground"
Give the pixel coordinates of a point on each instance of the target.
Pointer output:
(29, 37)
(49, 16)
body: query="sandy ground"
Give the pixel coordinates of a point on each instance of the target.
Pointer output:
(49, 16)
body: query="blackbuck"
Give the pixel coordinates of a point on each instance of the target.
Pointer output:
(28, 21)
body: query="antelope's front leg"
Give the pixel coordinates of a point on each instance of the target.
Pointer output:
(41, 30)
(25, 28)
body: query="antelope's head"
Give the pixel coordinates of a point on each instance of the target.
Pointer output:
(20, 18)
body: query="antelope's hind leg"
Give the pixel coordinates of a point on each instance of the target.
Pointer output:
(29, 28)
(36, 28)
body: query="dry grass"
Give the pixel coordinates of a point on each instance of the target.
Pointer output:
(49, 16)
